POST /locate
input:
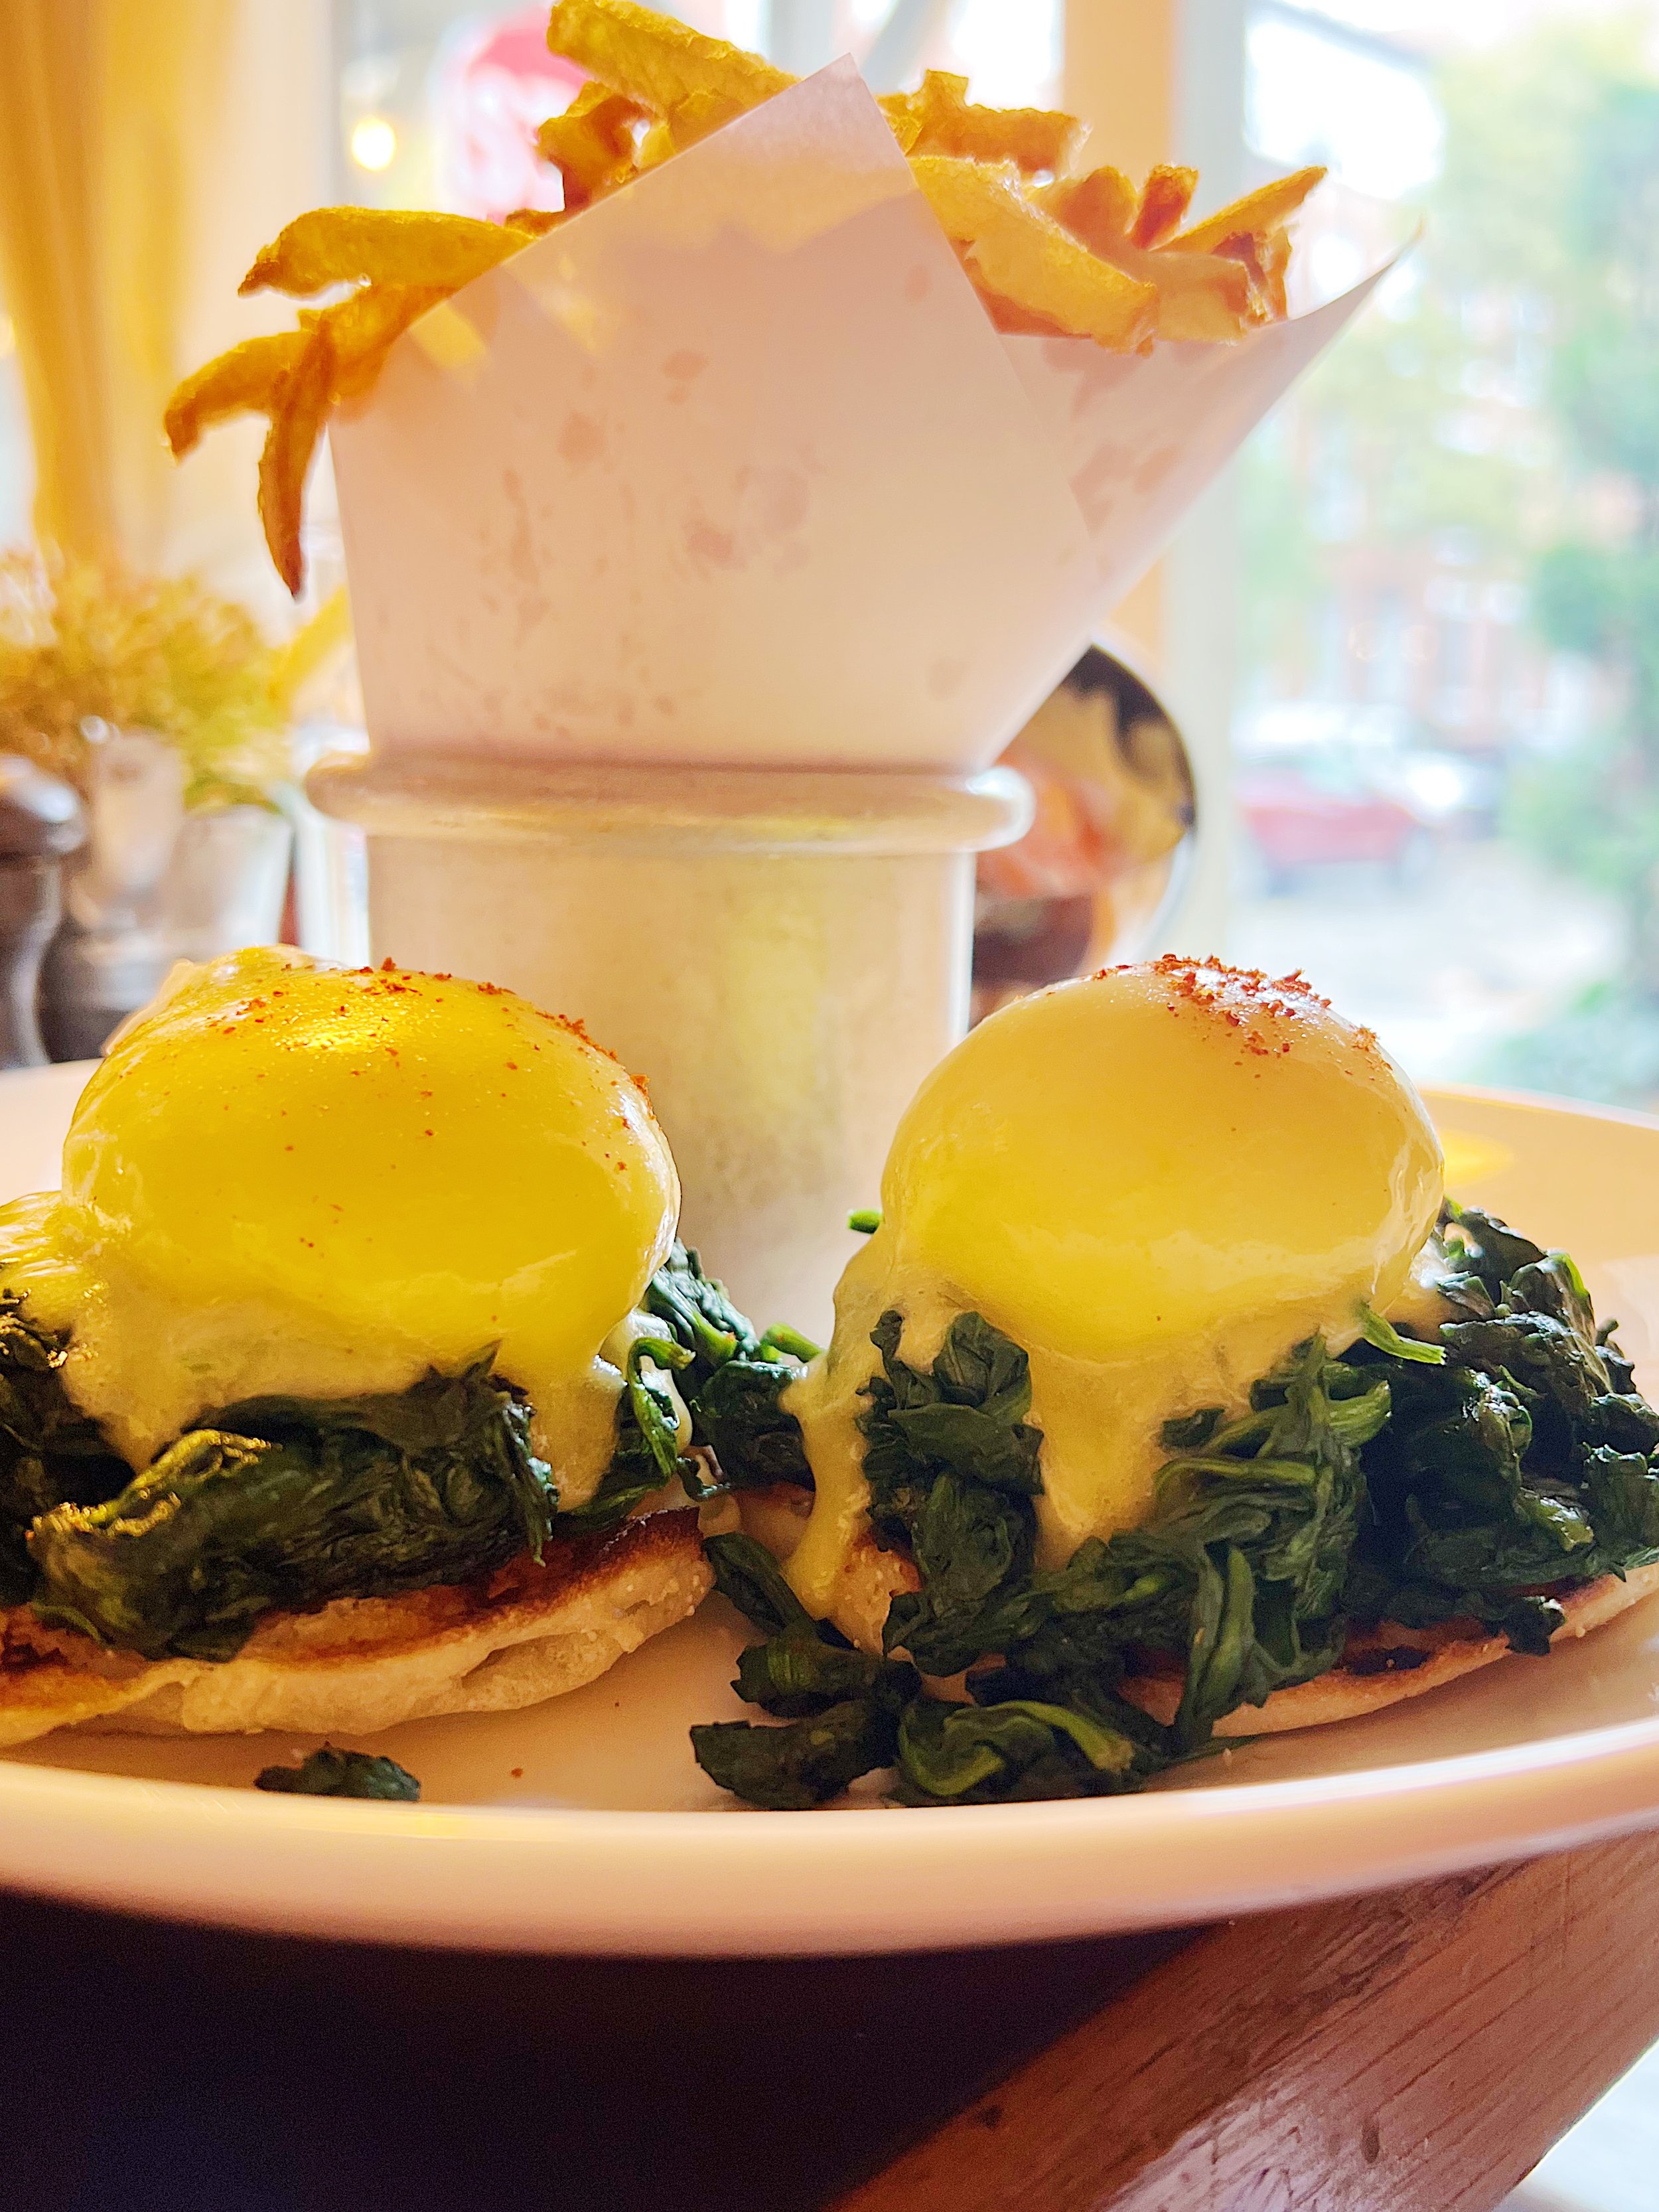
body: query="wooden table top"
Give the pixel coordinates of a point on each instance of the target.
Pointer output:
(1417, 2050)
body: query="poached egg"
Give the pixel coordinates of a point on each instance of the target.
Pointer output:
(1156, 1181)
(290, 1178)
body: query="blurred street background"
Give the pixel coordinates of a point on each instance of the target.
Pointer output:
(1446, 729)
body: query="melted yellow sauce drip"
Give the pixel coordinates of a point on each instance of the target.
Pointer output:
(1157, 1181)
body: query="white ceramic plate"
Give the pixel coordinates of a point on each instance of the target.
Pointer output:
(585, 1825)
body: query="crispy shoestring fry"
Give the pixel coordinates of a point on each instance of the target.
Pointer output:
(378, 245)
(302, 402)
(655, 61)
(1029, 260)
(1267, 209)
(1049, 249)
(592, 144)
(939, 119)
(1164, 199)
(243, 381)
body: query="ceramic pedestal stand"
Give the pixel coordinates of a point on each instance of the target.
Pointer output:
(782, 956)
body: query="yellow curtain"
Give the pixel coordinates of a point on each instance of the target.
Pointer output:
(147, 149)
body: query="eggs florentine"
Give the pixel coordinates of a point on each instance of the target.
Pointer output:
(288, 1178)
(1156, 1180)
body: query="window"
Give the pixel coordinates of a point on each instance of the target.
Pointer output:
(1446, 736)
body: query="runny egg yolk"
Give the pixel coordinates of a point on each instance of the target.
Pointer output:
(1156, 1181)
(288, 1178)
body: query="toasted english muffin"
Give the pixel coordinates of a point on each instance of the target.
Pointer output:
(522, 1634)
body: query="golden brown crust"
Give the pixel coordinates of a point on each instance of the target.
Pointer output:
(512, 1638)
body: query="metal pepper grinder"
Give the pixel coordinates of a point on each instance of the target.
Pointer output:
(41, 825)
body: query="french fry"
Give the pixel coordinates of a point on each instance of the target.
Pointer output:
(656, 147)
(592, 144)
(1268, 208)
(1164, 198)
(656, 62)
(1097, 208)
(242, 381)
(302, 406)
(362, 327)
(379, 245)
(1007, 315)
(1265, 257)
(535, 222)
(903, 120)
(939, 119)
(1029, 260)
(1201, 297)
(697, 115)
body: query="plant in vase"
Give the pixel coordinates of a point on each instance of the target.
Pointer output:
(169, 712)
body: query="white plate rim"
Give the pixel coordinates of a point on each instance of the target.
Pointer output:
(701, 1884)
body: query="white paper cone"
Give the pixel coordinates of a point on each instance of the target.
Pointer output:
(1140, 435)
(734, 468)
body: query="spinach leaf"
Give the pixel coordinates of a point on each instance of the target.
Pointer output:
(655, 1406)
(332, 1773)
(1522, 1466)
(952, 1465)
(844, 1704)
(1020, 1748)
(1383, 1335)
(1485, 1248)
(799, 1672)
(49, 1453)
(749, 1578)
(967, 1416)
(730, 1382)
(738, 1415)
(973, 1545)
(791, 1769)
(283, 1502)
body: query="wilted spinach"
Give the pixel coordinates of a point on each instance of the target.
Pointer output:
(283, 1502)
(842, 1706)
(954, 1468)
(730, 1382)
(289, 1502)
(49, 1453)
(334, 1773)
(1523, 1464)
